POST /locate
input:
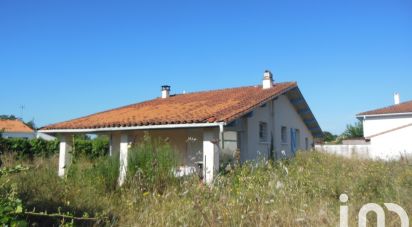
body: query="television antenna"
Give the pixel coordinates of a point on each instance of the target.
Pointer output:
(22, 107)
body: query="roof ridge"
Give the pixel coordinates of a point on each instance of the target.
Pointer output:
(231, 88)
(370, 112)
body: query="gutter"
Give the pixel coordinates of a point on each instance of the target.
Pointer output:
(384, 115)
(147, 127)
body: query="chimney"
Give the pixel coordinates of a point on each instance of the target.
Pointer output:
(267, 80)
(165, 91)
(397, 98)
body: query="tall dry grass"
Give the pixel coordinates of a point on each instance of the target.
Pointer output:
(303, 191)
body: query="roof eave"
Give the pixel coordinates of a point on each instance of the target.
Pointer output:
(363, 115)
(146, 127)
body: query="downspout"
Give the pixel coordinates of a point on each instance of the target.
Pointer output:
(221, 136)
(272, 153)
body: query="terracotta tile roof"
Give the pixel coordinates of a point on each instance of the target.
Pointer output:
(405, 107)
(201, 107)
(14, 126)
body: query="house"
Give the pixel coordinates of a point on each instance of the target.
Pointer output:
(15, 129)
(389, 130)
(268, 120)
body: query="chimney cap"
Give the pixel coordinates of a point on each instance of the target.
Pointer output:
(268, 74)
(165, 88)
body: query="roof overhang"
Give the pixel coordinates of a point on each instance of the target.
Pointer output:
(363, 116)
(298, 101)
(146, 127)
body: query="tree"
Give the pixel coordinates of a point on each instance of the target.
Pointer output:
(329, 137)
(8, 117)
(30, 124)
(353, 131)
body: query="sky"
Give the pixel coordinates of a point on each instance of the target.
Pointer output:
(66, 59)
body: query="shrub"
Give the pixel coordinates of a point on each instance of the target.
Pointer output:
(25, 148)
(91, 149)
(22, 147)
(100, 147)
(82, 148)
(44, 148)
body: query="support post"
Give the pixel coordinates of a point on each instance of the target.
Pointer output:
(124, 149)
(210, 154)
(66, 144)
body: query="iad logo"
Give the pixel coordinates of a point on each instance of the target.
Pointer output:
(372, 207)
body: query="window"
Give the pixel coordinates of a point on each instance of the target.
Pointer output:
(263, 132)
(284, 134)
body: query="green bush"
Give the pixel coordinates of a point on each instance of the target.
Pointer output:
(29, 148)
(91, 149)
(82, 148)
(11, 206)
(100, 147)
(25, 148)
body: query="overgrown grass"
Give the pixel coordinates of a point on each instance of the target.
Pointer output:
(150, 165)
(303, 191)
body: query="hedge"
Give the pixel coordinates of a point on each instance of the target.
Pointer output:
(41, 148)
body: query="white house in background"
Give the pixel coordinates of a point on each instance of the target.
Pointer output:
(15, 129)
(389, 130)
(267, 120)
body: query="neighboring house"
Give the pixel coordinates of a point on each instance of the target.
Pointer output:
(15, 129)
(268, 120)
(389, 130)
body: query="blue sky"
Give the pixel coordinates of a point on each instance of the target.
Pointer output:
(66, 59)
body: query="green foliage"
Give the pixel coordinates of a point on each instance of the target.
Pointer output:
(92, 149)
(353, 131)
(102, 172)
(31, 124)
(329, 137)
(11, 207)
(83, 147)
(43, 148)
(8, 117)
(150, 164)
(29, 148)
